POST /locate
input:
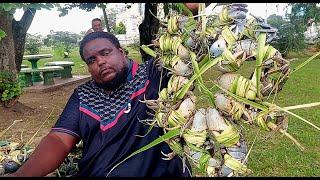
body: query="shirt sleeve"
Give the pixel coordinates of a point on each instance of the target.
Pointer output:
(68, 121)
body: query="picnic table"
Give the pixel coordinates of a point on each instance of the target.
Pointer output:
(33, 59)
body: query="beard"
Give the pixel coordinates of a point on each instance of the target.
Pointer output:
(116, 82)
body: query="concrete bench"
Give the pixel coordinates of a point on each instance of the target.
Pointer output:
(47, 73)
(66, 72)
(27, 73)
(24, 66)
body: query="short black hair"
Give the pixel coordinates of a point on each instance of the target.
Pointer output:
(96, 19)
(95, 35)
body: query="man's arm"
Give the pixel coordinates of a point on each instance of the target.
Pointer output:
(89, 31)
(48, 155)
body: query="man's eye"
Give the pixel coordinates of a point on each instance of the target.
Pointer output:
(105, 53)
(90, 60)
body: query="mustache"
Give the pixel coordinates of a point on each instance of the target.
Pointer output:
(103, 69)
(120, 78)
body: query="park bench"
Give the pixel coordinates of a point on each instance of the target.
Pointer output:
(21, 75)
(24, 66)
(66, 72)
(47, 73)
(26, 73)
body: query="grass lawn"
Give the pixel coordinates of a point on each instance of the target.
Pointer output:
(272, 154)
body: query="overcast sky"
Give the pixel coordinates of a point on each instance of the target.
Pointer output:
(79, 20)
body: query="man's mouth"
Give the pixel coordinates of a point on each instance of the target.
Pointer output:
(105, 71)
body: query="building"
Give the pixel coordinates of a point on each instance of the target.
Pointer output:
(131, 18)
(312, 35)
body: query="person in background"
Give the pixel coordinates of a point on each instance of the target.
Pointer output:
(96, 25)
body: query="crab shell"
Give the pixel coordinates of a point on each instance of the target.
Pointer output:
(11, 166)
(199, 121)
(226, 80)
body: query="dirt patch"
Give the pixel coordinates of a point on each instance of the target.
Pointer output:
(38, 111)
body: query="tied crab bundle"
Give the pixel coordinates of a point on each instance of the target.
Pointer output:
(211, 138)
(13, 154)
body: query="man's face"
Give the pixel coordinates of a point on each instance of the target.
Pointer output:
(96, 26)
(107, 64)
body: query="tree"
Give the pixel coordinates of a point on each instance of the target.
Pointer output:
(301, 13)
(62, 41)
(290, 36)
(65, 37)
(13, 44)
(148, 34)
(33, 43)
(82, 34)
(111, 20)
(105, 17)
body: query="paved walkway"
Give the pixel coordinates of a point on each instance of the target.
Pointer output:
(39, 87)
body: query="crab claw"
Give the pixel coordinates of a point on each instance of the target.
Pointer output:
(168, 156)
(238, 10)
(271, 31)
(159, 65)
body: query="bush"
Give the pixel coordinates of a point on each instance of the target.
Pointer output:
(9, 86)
(61, 50)
(290, 36)
(62, 42)
(119, 29)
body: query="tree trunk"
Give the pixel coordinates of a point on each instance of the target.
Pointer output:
(19, 30)
(166, 8)
(106, 19)
(7, 57)
(148, 28)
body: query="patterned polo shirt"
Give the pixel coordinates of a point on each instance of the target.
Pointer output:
(113, 120)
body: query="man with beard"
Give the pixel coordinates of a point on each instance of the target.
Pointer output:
(105, 114)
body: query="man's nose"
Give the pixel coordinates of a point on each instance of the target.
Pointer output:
(101, 60)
